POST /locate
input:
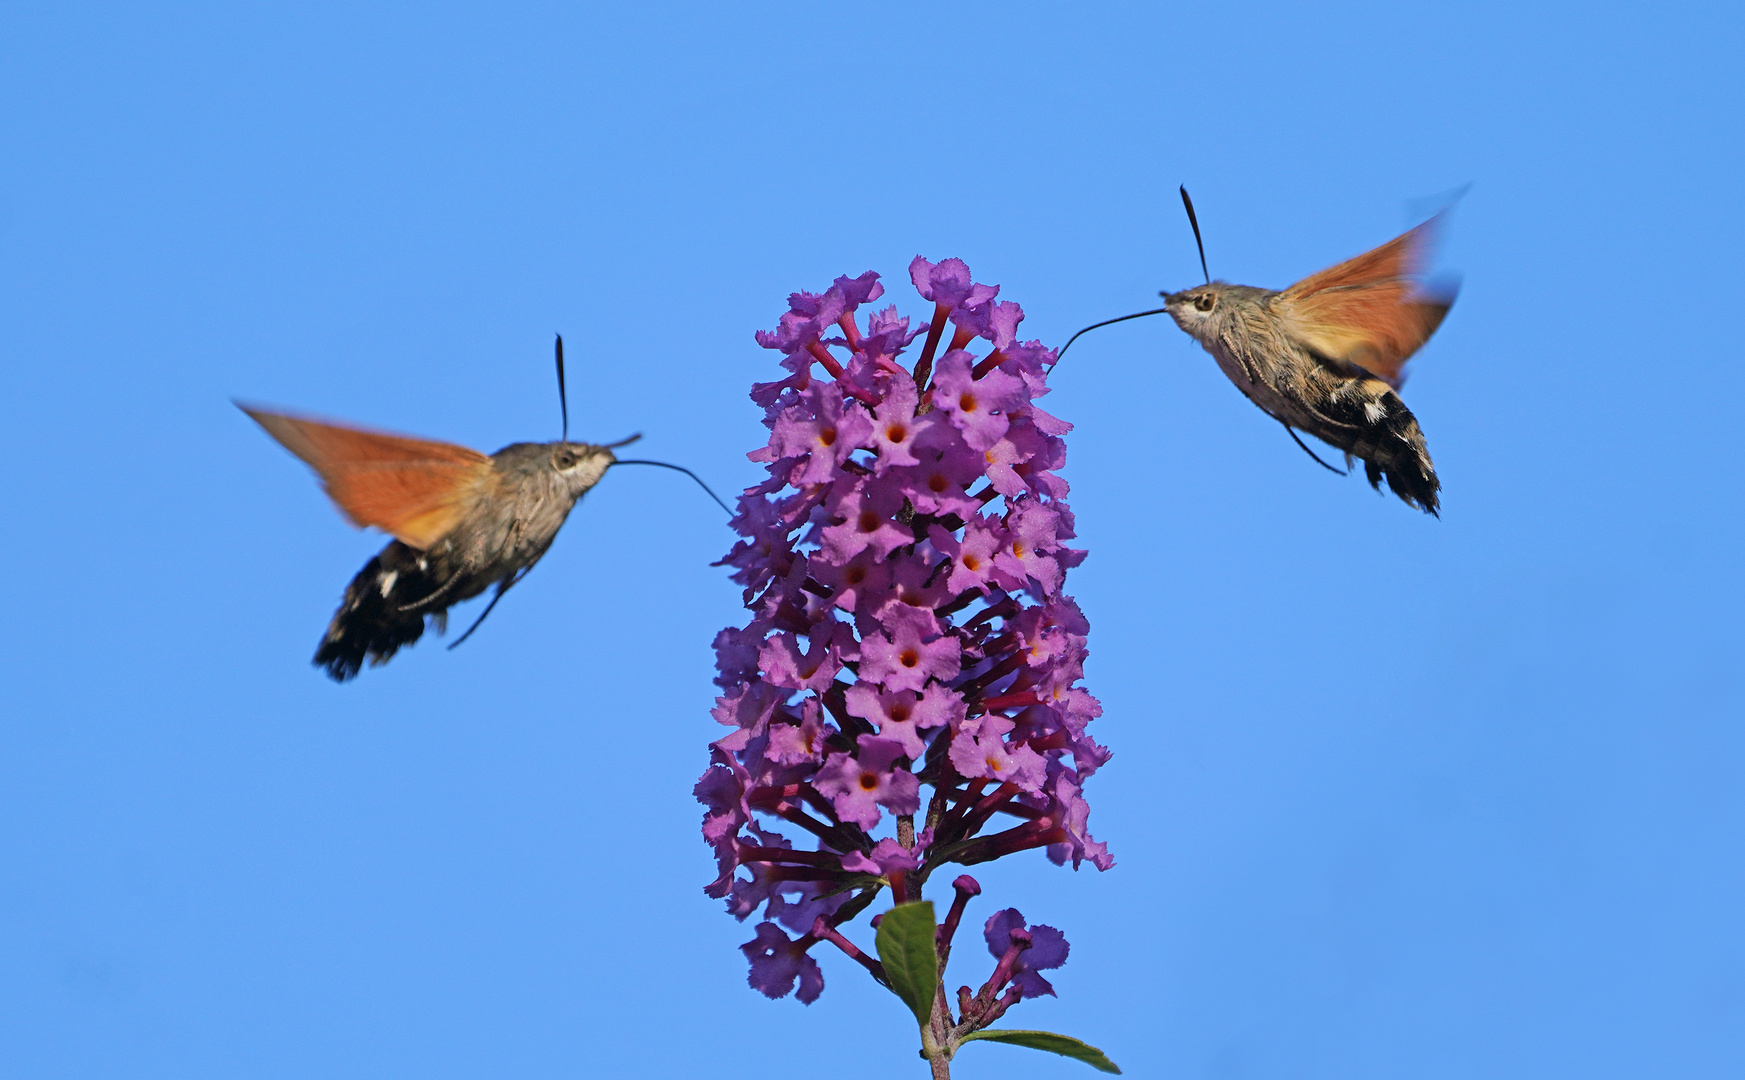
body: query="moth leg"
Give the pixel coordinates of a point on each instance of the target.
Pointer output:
(1248, 369)
(1293, 434)
(442, 590)
(502, 587)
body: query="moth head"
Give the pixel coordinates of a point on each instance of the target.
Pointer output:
(580, 465)
(1199, 309)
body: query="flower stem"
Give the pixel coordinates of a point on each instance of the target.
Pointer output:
(822, 355)
(935, 330)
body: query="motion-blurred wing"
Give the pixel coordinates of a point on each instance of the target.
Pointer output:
(414, 489)
(1370, 311)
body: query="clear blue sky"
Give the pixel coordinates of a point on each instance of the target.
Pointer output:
(1391, 796)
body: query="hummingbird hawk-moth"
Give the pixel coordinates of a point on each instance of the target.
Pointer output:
(462, 521)
(1326, 355)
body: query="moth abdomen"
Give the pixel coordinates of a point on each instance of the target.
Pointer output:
(1387, 438)
(384, 609)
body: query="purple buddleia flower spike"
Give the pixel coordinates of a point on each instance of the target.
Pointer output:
(904, 693)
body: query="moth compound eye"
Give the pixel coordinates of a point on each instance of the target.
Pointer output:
(1205, 301)
(564, 459)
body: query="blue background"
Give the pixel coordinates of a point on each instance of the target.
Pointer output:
(1391, 796)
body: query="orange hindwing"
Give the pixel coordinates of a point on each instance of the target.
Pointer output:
(1371, 310)
(414, 489)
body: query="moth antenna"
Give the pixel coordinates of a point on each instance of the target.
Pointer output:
(1105, 322)
(687, 472)
(1310, 452)
(563, 402)
(502, 588)
(1194, 220)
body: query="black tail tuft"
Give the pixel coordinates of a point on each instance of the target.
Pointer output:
(383, 611)
(1397, 452)
(1371, 422)
(1414, 485)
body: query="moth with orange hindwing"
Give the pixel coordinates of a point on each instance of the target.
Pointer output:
(462, 521)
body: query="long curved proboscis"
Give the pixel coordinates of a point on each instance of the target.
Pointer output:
(679, 468)
(1105, 322)
(1193, 220)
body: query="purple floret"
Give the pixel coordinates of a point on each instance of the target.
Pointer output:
(980, 408)
(1048, 949)
(859, 783)
(777, 963)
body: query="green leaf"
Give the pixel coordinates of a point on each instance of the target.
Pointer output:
(905, 944)
(1064, 1045)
